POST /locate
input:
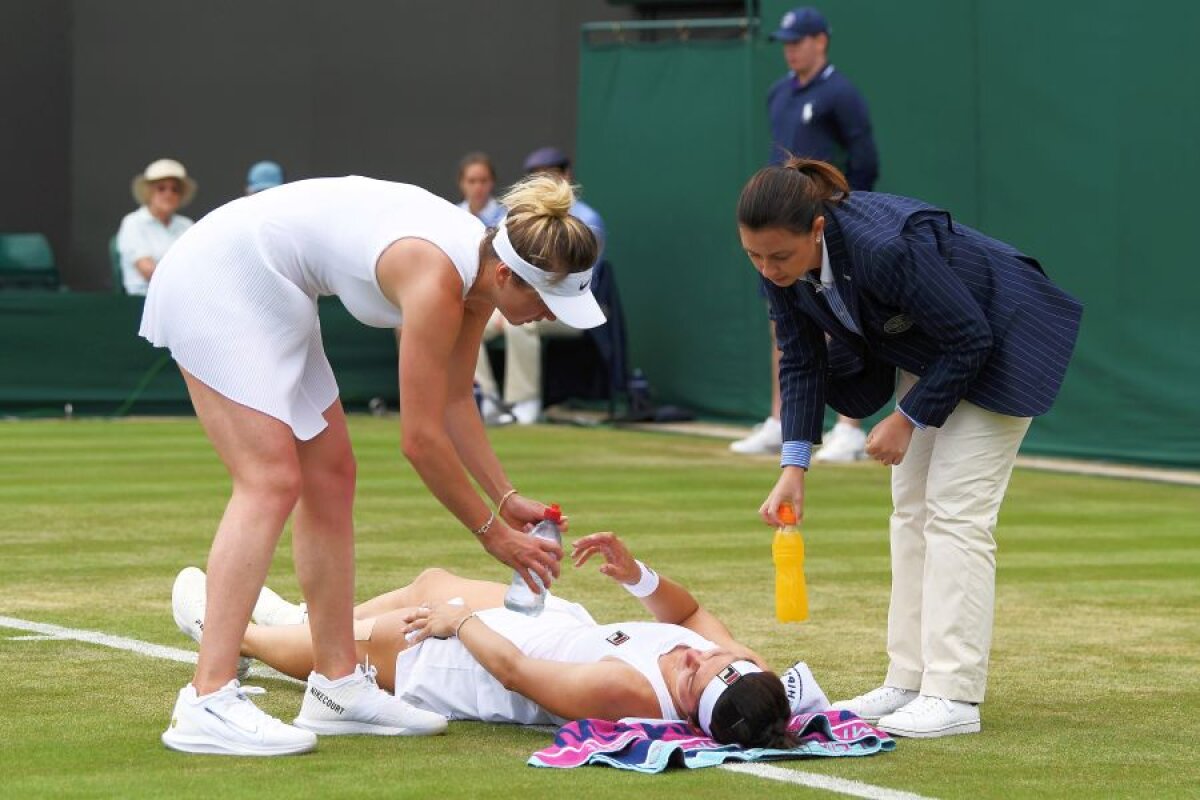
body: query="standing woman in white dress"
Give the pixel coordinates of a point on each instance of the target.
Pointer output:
(235, 301)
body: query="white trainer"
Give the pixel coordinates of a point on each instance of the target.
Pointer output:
(271, 609)
(928, 717)
(527, 412)
(188, 600)
(843, 444)
(803, 693)
(356, 704)
(494, 413)
(227, 722)
(767, 438)
(877, 702)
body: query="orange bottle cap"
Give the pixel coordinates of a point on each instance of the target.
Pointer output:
(553, 513)
(786, 514)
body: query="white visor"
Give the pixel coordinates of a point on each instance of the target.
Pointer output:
(569, 299)
(716, 687)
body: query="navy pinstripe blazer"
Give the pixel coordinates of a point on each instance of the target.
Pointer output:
(975, 318)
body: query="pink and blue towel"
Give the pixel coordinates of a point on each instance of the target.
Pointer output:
(654, 745)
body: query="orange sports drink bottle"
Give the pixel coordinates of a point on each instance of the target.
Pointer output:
(791, 592)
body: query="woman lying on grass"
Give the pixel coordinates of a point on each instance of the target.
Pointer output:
(471, 658)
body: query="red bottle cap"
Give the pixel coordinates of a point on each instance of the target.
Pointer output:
(786, 514)
(553, 513)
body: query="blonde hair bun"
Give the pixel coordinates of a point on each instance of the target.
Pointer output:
(540, 195)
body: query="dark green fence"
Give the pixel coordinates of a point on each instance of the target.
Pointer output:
(82, 350)
(1064, 128)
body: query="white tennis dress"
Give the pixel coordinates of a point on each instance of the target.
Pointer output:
(442, 675)
(235, 299)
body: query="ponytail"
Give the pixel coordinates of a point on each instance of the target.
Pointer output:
(790, 196)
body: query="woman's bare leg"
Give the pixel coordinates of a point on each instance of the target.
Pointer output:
(323, 543)
(260, 454)
(288, 648)
(435, 586)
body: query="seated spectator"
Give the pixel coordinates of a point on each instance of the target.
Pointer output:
(263, 175)
(477, 181)
(147, 233)
(522, 343)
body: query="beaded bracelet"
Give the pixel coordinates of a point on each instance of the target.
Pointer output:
(646, 585)
(482, 529)
(504, 499)
(462, 622)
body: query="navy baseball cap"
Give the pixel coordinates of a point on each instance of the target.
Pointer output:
(799, 23)
(547, 158)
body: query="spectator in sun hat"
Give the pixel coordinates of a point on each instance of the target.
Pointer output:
(263, 175)
(161, 190)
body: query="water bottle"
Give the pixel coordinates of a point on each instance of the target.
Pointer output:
(518, 597)
(791, 592)
(639, 396)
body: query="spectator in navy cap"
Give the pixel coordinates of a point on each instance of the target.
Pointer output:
(815, 112)
(548, 158)
(800, 23)
(263, 175)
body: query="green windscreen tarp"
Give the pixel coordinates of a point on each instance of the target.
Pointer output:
(1070, 138)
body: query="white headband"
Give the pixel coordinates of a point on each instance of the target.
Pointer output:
(717, 686)
(570, 299)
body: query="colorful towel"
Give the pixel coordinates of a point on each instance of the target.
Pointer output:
(653, 745)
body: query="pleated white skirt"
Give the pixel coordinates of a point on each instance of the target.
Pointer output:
(240, 327)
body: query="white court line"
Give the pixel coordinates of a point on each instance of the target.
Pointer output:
(814, 780)
(809, 779)
(121, 643)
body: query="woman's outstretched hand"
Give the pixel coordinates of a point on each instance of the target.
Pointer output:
(619, 563)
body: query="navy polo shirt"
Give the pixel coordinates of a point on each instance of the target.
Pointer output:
(825, 119)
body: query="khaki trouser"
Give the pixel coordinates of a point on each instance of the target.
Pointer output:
(946, 497)
(522, 358)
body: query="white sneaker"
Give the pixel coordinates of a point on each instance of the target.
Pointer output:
(188, 598)
(271, 609)
(766, 438)
(493, 412)
(803, 693)
(844, 443)
(877, 702)
(527, 412)
(928, 717)
(356, 704)
(226, 722)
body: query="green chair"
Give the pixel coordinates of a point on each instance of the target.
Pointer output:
(27, 262)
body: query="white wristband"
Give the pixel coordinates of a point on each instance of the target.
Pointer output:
(647, 584)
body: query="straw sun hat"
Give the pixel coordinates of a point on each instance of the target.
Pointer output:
(160, 170)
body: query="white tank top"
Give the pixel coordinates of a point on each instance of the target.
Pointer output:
(326, 235)
(559, 636)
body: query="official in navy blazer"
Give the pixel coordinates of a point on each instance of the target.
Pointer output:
(875, 296)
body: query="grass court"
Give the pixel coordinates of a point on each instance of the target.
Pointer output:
(1095, 679)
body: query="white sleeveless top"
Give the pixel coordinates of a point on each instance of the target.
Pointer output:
(235, 298)
(443, 676)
